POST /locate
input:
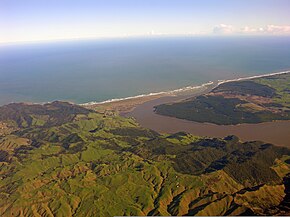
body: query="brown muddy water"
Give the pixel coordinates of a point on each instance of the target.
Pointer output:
(277, 132)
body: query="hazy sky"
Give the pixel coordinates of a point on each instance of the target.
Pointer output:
(29, 20)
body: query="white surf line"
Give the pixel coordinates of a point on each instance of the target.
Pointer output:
(184, 89)
(122, 99)
(252, 77)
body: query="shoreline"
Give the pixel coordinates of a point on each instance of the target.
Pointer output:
(182, 89)
(141, 108)
(126, 105)
(161, 93)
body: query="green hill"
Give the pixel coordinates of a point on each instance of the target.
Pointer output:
(60, 159)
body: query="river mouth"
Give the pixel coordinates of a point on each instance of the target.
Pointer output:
(275, 132)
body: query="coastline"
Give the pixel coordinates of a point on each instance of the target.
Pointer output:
(162, 93)
(183, 89)
(141, 108)
(126, 105)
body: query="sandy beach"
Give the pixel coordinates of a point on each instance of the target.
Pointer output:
(125, 106)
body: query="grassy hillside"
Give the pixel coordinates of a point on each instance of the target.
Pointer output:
(250, 101)
(59, 159)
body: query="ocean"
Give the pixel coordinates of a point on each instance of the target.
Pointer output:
(99, 70)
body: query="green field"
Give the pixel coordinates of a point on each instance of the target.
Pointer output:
(64, 160)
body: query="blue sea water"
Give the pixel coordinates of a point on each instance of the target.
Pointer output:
(98, 70)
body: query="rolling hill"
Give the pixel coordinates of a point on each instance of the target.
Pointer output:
(60, 159)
